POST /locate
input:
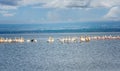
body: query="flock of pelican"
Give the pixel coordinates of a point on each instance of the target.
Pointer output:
(9, 40)
(69, 39)
(82, 39)
(62, 40)
(105, 37)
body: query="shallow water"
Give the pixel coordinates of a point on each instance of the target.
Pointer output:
(102, 55)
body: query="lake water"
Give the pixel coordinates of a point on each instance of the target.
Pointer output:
(102, 55)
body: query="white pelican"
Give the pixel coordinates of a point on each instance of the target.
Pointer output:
(50, 40)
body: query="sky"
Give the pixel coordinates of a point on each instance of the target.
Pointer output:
(57, 11)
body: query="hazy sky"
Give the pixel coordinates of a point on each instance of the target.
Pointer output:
(52, 11)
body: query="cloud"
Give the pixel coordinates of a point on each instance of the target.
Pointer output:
(113, 14)
(113, 6)
(30, 2)
(9, 2)
(61, 3)
(7, 7)
(8, 14)
(67, 4)
(1, 12)
(104, 3)
(79, 3)
(13, 4)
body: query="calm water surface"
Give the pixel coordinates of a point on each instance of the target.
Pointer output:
(102, 55)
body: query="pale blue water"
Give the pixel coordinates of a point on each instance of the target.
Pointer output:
(102, 55)
(60, 27)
